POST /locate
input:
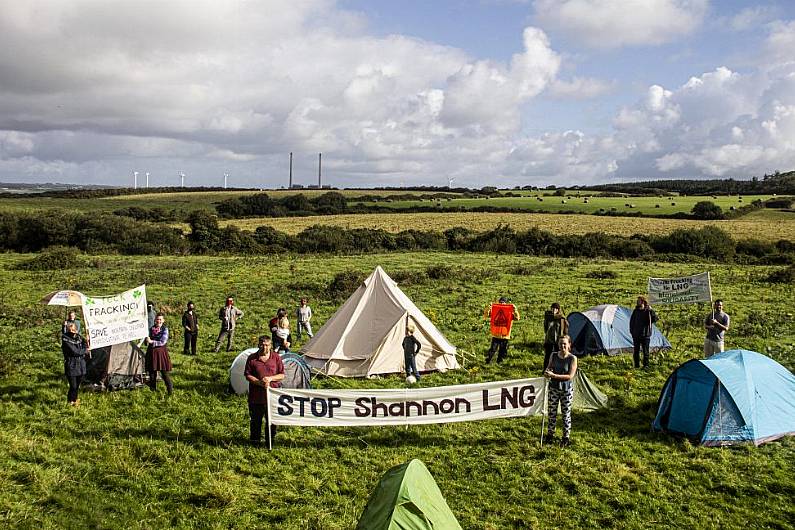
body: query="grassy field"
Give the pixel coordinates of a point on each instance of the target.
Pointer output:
(587, 203)
(180, 201)
(142, 460)
(780, 225)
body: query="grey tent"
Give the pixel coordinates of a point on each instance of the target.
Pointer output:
(116, 367)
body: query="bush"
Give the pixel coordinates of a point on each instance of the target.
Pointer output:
(786, 275)
(344, 284)
(53, 259)
(707, 242)
(707, 210)
(602, 275)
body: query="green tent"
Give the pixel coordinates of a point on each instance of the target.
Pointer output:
(586, 395)
(407, 498)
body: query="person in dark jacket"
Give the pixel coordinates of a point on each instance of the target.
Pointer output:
(75, 350)
(640, 327)
(228, 315)
(190, 324)
(555, 326)
(411, 347)
(71, 318)
(157, 358)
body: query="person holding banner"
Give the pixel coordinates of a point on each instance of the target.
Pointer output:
(75, 350)
(561, 369)
(228, 316)
(264, 368)
(157, 358)
(716, 324)
(640, 327)
(500, 316)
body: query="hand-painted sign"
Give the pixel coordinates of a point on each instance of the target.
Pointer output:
(116, 319)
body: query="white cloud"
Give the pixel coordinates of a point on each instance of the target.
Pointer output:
(750, 18)
(580, 88)
(615, 23)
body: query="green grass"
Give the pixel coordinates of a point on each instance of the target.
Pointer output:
(576, 204)
(141, 460)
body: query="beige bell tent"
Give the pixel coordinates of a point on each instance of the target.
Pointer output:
(364, 337)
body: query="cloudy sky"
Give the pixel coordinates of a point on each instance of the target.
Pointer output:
(488, 92)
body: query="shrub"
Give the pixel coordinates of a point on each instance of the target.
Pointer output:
(602, 275)
(344, 284)
(786, 275)
(707, 210)
(707, 242)
(53, 259)
(439, 272)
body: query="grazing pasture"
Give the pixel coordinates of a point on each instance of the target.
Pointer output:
(139, 459)
(765, 227)
(583, 202)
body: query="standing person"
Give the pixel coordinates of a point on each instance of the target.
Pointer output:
(303, 315)
(561, 369)
(71, 318)
(411, 347)
(75, 350)
(190, 324)
(283, 337)
(157, 358)
(264, 368)
(555, 326)
(716, 324)
(500, 316)
(273, 324)
(640, 327)
(228, 316)
(151, 313)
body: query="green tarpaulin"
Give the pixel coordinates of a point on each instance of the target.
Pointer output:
(407, 498)
(586, 395)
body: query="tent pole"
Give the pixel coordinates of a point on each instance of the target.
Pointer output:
(268, 410)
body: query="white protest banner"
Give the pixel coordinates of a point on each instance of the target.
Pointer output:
(116, 319)
(444, 404)
(685, 290)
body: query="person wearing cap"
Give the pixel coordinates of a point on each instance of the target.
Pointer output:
(411, 347)
(228, 316)
(264, 368)
(501, 316)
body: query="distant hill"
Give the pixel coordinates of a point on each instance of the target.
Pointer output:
(779, 183)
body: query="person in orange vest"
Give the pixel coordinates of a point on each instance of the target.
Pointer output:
(500, 316)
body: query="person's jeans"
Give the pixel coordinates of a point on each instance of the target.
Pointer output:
(549, 349)
(190, 342)
(229, 334)
(74, 387)
(497, 344)
(305, 326)
(640, 343)
(258, 412)
(410, 361)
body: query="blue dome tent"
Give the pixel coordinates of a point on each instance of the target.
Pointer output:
(737, 396)
(605, 329)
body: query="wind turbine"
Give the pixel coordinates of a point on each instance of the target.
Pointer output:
(450, 181)
(135, 180)
(181, 179)
(226, 176)
(147, 179)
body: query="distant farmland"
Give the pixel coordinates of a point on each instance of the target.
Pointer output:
(767, 228)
